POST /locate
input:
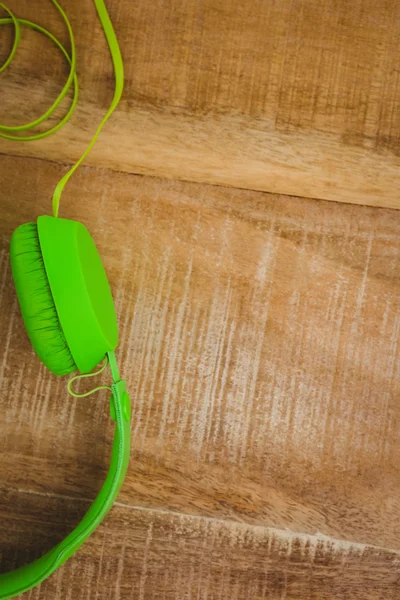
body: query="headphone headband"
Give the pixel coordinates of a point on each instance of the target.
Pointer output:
(23, 579)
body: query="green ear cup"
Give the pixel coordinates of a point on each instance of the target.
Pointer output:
(36, 301)
(80, 290)
(64, 294)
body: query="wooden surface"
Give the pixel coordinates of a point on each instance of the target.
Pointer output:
(141, 554)
(259, 332)
(259, 339)
(298, 97)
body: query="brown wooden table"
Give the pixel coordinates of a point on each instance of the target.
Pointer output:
(258, 331)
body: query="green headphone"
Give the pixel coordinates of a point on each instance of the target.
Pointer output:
(68, 311)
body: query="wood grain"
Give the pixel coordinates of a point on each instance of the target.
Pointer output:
(298, 97)
(259, 339)
(259, 332)
(146, 554)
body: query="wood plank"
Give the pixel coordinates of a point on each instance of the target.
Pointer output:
(145, 554)
(259, 339)
(300, 98)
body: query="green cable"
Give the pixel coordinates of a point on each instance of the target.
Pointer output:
(16, 133)
(85, 376)
(9, 132)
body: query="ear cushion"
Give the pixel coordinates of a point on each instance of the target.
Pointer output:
(36, 301)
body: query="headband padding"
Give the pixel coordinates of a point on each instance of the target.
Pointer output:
(36, 301)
